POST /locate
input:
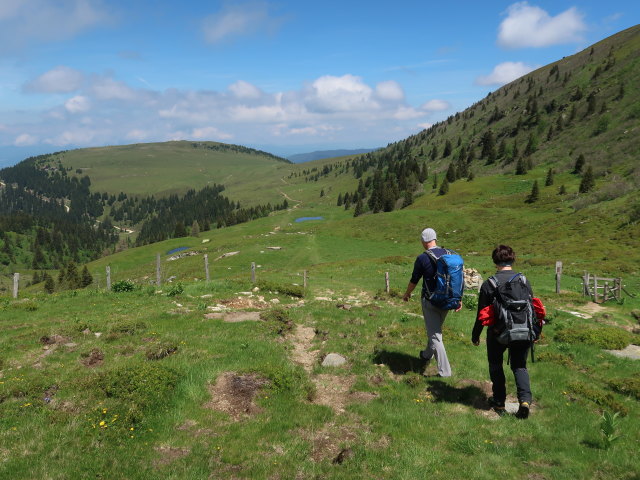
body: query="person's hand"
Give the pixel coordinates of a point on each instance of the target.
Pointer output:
(475, 341)
(459, 307)
(406, 297)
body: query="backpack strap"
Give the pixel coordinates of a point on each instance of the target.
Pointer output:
(493, 281)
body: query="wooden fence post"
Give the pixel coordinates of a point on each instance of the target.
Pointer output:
(253, 272)
(595, 289)
(618, 289)
(158, 270)
(206, 267)
(558, 275)
(108, 278)
(16, 282)
(386, 282)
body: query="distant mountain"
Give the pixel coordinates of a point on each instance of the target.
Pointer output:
(320, 154)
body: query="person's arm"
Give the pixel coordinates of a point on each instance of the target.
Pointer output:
(485, 298)
(410, 288)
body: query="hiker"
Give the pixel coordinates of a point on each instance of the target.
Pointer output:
(503, 257)
(434, 316)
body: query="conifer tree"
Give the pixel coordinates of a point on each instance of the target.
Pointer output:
(521, 168)
(180, 230)
(49, 285)
(195, 228)
(444, 187)
(86, 278)
(535, 193)
(588, 181)
(577, 168)
(339, 204)
(562, 190)
(435, 181)
(448, 148)
(549, 180)
(359, 208)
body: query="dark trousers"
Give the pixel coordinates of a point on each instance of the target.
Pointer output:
(518, 363)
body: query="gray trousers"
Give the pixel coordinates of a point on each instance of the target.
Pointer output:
(433, 320)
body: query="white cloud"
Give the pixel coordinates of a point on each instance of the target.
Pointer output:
(77, 104)
(436, 105)
(209, 133)
(425, 126)
(58, 80)
(25, 140)
(407, 113)
(504, 73)
(242, 89)
(23, 22)
(77, 136)
(389, 90)
(105, 88)
(237, 20)
(340, 94)
(531, 26)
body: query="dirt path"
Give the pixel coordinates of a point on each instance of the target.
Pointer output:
(331, 390)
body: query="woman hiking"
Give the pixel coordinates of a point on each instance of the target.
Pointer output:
(503, 283)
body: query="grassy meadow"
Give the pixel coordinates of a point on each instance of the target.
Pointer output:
(168, 383)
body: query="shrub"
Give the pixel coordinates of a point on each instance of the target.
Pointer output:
(289, 378)
(470, 301)
(610, 338)
(123, 286)
(140, 386)
(597, 396)
(160, 351)
(291, 290)
(277, 320)
(129, 327)
(175, 289)
(627, 386)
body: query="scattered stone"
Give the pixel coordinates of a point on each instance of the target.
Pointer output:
(225, 255)
(472, 279)
(275, 301)
(245, 293)
(206, 240)
(632, 351)
(98, 334)
(182, 255)
(344, 306)
(333, 360)
(255, 289)
(323, 299)
(237, 317)
(274, 248)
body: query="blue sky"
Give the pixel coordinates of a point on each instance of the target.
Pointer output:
(284, 76)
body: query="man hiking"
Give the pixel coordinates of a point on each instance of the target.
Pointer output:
(435, 303)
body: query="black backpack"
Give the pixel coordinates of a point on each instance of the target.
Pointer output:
(513, 310)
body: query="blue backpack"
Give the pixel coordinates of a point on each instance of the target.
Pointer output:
(447, 294)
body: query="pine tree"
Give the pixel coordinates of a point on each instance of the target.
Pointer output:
(180, 230)
(444, 187)
(549, 180)
(86, 278)
(339, 203)
(49, 285)
(577, 168)
(359, 208)
(435, 181)
(588, 181)
(521, 168)
(535, 193)
(195, 228)
(562, 190)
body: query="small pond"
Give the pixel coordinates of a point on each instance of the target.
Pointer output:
(176, 250)
(306, 219)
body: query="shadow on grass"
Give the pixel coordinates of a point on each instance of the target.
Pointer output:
(399, 363)
(471, 395)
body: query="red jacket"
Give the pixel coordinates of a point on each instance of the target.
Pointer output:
(487, 314)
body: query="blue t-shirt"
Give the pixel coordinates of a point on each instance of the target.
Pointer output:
(424, 268)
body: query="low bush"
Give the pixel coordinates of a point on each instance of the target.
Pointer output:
(123, 286)
(138, 386)
(470, 301)
(277, 320)
(175, 289)
(289, 378)
(160, 350)
(599, 397)
(627, 386)
(557, 358)
(610, 338)
(291, 290)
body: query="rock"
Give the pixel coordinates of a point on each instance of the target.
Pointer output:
(344, 306)
(274, 301)
(333, 360)
(274, 248)
(255, 289)
(472, 279)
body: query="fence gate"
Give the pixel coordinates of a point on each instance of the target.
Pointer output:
(601, 289)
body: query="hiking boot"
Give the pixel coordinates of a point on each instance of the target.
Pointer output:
(523, 411)
(423, 356)
(496, 406)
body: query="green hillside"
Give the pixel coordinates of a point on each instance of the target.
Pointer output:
(174, 167)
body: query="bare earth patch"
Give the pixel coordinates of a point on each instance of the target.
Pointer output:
(94, 358)
(302, 353)
(234, 394)
(169, 454)
(329, 442)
